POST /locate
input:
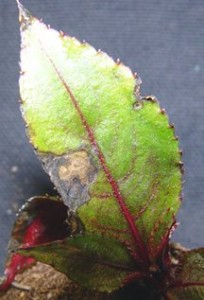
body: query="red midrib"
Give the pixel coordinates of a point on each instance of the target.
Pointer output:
(140, 246)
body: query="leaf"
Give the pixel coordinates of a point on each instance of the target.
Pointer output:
(41, 219)
(189, 281)
(112, 155)
(96, 262)
(100, 142)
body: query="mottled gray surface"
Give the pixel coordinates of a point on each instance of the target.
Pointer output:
(160, 39)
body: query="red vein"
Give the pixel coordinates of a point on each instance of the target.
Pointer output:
(114, 265)
(133, 253)
(102, 195)
(166, 238)
(143, 209)
(124, 209)
(105, 228)
(133, 277)
(183, 284)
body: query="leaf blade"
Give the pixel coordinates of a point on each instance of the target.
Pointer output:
(52, 54)
(82, 108)
(96, 262)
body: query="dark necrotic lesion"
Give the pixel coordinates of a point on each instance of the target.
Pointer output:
(72, 175)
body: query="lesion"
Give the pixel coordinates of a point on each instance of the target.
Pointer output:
(72, 175)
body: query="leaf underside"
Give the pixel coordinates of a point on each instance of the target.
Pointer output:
(111, 154)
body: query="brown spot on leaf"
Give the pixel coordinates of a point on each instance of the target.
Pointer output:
(75, 165)
(72, 175)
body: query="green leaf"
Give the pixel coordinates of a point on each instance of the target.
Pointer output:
(189, 282)
(96, 262)
(112, 155)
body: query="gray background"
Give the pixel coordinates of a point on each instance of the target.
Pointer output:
(160, 39)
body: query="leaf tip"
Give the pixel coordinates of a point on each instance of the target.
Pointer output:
(24, 15)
